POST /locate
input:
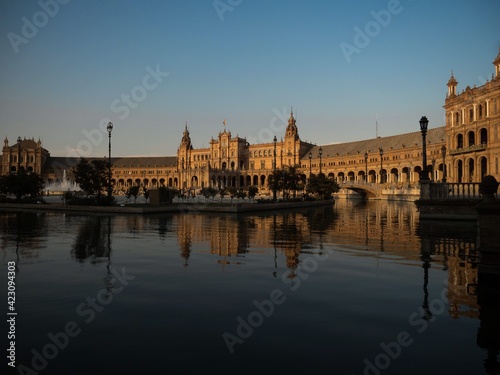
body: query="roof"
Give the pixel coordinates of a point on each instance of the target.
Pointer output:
(61, 162)
(146, 161)
(394, 142)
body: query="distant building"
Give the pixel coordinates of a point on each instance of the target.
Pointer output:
(465, 149)
(472, 126)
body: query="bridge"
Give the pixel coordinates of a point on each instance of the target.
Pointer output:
(437, 190)
(365, 189)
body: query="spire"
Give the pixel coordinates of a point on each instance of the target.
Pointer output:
(186, 139)
(496, 62)
(291, 130)
(452, 85)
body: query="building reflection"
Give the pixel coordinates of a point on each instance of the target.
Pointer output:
(286, 238)
(93, 240)
(488, 334)
(25, 231)
(452, 245)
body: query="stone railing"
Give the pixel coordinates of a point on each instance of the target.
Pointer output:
(455, 190)
(462, 150)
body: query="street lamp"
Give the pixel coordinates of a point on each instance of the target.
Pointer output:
(19, 140)
(274, 169)
(310, 166)
(366, 166)
(424, 123)
(443, 153)
(109, 128)
(381, 151)
(320, 152)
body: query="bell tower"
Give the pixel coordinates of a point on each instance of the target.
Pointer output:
(291, 145)
(496, 63)
(184, 152)
(452, 86)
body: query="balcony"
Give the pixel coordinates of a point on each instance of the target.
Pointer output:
(464, 150)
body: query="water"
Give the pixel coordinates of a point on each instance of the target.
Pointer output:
(355, 289)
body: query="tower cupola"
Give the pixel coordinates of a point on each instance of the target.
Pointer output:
(452, 86)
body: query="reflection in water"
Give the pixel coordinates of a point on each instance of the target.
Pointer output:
(93, 241)
(27, 230)
(488, 334)
(363, 230)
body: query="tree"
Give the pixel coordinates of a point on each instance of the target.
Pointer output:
(133, 191)
(240, 193)
(222, 193)
(322, 186)
(232, 192)
(208, 192)
(92, 177)
(286, 179)
(22, 184)
(145, 192)
(252, 192)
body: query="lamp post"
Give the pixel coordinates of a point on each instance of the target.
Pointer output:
(320, 152)
(274, 169)
(366, 166)
(443, 153)
(19, 140)
(424, 123)
(109, 128)
(381, 151)
(310, 166)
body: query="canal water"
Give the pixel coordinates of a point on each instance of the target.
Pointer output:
(359, 288)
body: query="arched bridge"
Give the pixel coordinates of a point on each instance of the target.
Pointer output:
(365, 189)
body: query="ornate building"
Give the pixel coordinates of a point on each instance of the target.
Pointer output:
(472, 123)
(465, 149)
(26, 155)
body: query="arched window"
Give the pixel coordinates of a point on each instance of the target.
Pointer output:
(472, 138)
(460, 141)
(484, 136)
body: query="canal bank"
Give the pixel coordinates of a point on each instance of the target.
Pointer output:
(195, 207)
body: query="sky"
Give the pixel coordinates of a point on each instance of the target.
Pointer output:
(351, 70)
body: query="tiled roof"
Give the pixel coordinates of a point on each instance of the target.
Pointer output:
(61, 162)
(146, 161)
(394, 142)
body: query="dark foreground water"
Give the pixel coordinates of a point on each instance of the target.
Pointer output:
(355, 289)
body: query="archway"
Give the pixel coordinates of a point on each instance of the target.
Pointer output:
(394, 175)
(460, 171)
(470, 169)
(484, 167)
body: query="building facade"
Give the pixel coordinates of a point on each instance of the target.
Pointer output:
(464, 150)
(472, 125)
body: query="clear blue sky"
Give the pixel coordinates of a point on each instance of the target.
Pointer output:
(244, 61)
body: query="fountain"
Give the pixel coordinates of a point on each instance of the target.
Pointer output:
(60, 186)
